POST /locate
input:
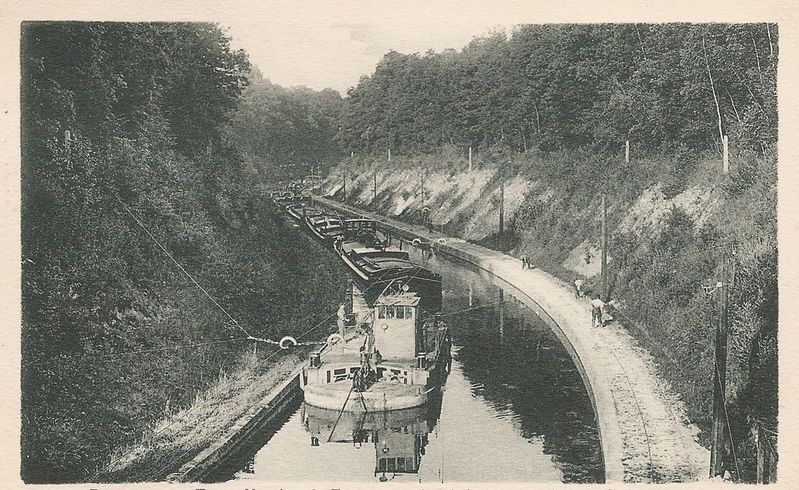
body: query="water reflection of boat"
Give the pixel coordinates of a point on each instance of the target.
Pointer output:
(392, 359)
(399, 437)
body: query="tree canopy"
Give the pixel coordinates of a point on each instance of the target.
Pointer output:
(553, 87)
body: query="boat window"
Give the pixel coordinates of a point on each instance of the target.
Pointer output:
(389, 312)
(401, 464)
(340, 371)
(408, 312)
(381, 312)
(401, 312)
(392, 464)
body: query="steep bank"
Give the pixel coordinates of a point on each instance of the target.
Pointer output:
(668, 231)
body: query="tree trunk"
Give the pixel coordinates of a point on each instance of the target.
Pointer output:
(713, 88)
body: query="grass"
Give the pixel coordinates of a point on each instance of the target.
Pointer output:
(178, 437)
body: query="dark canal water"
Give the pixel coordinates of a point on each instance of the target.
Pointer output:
(513, 409)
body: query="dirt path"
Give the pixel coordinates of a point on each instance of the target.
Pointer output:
(646, 436)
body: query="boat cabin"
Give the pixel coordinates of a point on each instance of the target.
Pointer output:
(397, 326)
(354, 226)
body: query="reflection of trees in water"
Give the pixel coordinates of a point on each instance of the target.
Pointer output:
(530, 374)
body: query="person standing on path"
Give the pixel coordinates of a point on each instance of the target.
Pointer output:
(524, 261)
(596, 311)
(578, 288)
(340, 314)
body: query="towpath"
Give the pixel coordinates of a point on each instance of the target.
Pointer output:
(644, 433)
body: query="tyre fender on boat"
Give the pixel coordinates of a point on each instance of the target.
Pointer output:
(334, 338)
(288, 339)
(416, 242)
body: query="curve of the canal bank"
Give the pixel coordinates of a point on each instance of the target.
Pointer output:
(643, 431)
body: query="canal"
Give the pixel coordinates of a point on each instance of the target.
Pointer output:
(513, 408)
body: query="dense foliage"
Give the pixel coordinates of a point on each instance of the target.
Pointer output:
(122, 121)
(553, 87)
(286, 133)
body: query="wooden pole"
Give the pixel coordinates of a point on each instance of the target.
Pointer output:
(389, 154)
(470, 159)
(627, 151)
(345, 187)
(421, 187)
(718, 447)
(604, 246)
(766, 463)
(374, 199)
(760, 455)
(502, 205)
(726, 154)
(501, 314)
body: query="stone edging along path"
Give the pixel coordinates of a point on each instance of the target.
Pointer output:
(644, 433)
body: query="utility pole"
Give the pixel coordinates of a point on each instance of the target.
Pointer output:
(345, 187)
(502, 194)
(725, 158)
(501, 314)
(502, 204)
(604, 242)
(470, 159)
(719, 440)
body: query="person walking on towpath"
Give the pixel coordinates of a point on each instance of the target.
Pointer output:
(596, 311)
(340, 314)
(524, 261)
(578, 288)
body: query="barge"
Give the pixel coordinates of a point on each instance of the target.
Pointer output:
(326, 227)
(375, 263)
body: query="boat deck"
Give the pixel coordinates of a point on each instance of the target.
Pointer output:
(381, 396)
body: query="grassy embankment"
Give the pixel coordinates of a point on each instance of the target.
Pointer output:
(671, 219)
